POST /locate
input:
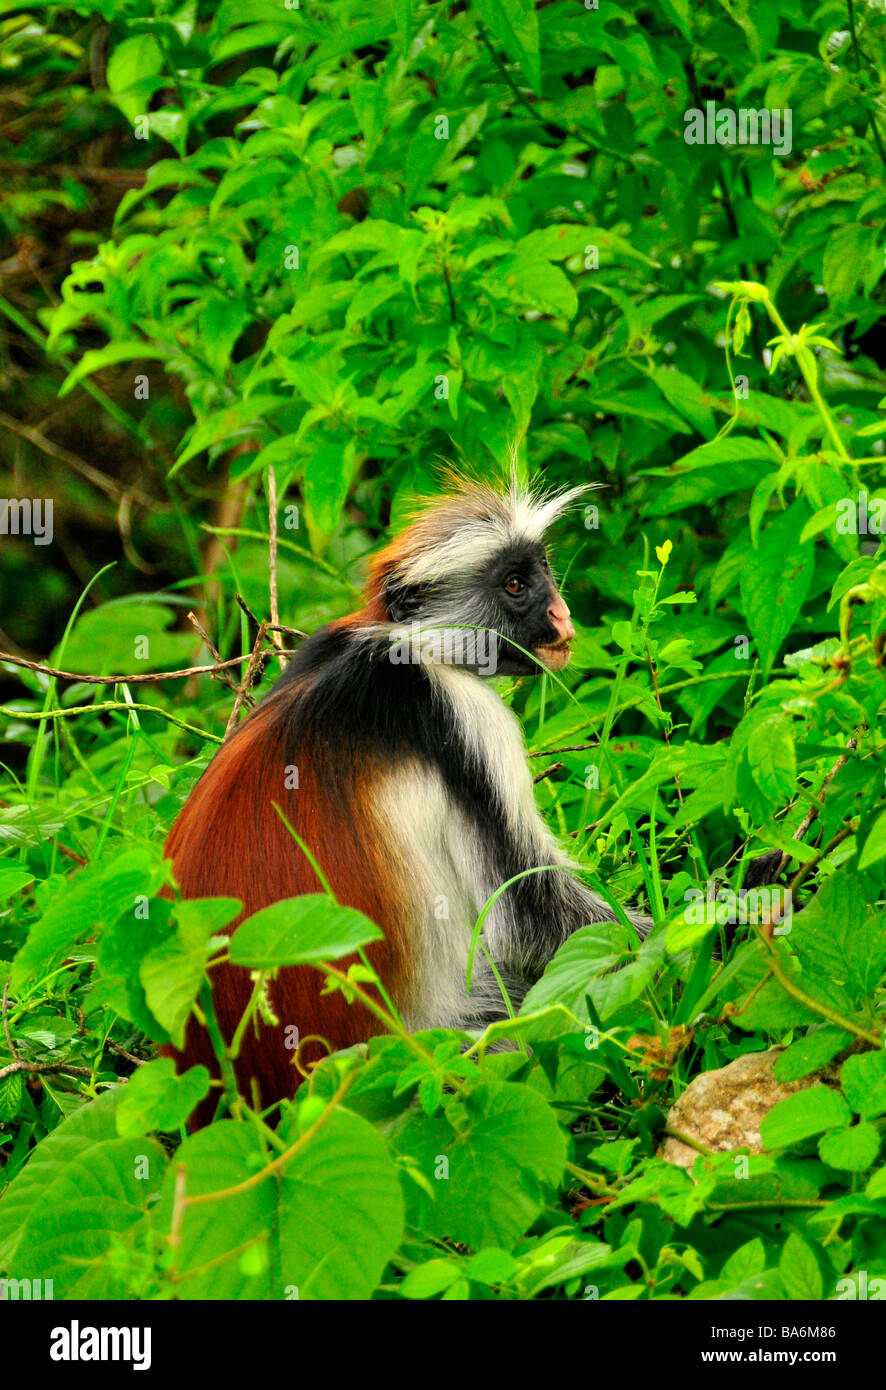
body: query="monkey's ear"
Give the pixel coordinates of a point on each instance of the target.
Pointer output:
(402, 600)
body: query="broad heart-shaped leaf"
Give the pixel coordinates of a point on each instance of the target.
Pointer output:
(487, 1160)
(330, 1218)
(297, 931)
(775, 580)
(863, 1078)
(854, 1147)
(83, 1190)
(341, 1210)
(803, 1114)
(155, 1098)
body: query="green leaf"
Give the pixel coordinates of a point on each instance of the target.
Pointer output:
(772, 758)
(799, 1270)
(581, 967)
(301, 930)
(12, 880)
(515, 24)
(129, 350)
(854, 1148)
(843, 950)
(863, 1078)
(155, 1098)
(809, 1053)
(532, 283)
(429, 1279)
(83, 1193)
(95, 897)
(488, 1160)
(845, 257)
(11, 1092)
(803, 1114)
(332, 1212)
(775, 580)
(749, 1259)
(875, 845)
(133, 73)
(327, 479)
(172, 973)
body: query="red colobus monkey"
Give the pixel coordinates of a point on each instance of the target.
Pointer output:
(413, 794)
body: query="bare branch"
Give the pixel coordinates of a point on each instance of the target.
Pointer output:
(140, 677)
(272, 564)
(4, 1005)
(37, 1068)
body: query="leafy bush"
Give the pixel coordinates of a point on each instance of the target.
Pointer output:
(371, 235)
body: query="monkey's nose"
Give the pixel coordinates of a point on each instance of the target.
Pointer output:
(560, 620)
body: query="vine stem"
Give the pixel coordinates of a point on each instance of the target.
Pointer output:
(824, 1010)
(806, 363)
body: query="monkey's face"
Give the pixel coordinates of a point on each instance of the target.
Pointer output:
(504, 618)
(533, 616)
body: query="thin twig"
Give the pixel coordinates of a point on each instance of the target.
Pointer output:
(13, 1050)
(130, 1057)
(107, 485)
(195, 623)
(129, 178)
(139, 678)
(815, 810)
(256, 665)
(240, 600)
(272, 564)
(554, 767)
(37, 1067)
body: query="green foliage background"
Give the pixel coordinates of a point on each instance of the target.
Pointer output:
(325, 246)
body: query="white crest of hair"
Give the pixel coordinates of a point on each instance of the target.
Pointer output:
(480, 522)
(534, 513)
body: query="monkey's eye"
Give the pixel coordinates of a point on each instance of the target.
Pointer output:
(515, 585)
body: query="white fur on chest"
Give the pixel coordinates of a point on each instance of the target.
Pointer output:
(451, 874)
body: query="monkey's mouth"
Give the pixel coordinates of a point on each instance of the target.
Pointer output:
(555, 656)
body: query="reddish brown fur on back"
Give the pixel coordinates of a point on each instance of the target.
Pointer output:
(255, 859)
